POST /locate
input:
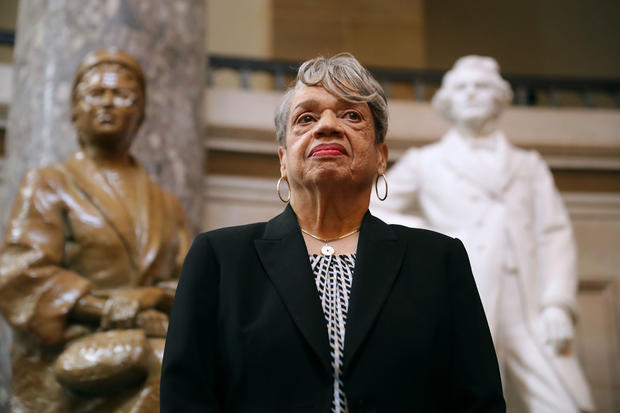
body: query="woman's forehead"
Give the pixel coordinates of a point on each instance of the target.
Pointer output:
(314, 96)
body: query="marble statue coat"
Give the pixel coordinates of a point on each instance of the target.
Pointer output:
(69, 233)
(517, 210)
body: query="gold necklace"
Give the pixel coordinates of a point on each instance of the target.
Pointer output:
(328, 249)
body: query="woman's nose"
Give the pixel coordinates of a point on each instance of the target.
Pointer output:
(328, 125)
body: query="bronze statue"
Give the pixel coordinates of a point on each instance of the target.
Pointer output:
(89, 258)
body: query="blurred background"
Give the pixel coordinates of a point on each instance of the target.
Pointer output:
(561, 58)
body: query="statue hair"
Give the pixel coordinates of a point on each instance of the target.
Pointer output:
(487, 65)
(109, 56)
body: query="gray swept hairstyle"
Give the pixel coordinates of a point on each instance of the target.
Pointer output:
(486, 65)
(344, 77)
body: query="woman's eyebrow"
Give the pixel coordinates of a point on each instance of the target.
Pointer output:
(305, 104)
(313, 102)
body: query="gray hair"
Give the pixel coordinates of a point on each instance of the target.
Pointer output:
(344, 77)
(487, 65)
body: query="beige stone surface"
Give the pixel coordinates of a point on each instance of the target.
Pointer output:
(566, 137)
(360, 27)
(596, 222)
(240, 28)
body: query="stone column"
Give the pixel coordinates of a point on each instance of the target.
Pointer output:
(167, 37)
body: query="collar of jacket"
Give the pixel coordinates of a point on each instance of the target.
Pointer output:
(457, 155)
(378, 259)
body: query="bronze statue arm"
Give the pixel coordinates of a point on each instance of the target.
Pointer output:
(89, 309)
(185, 239)
(36, 293)
(146, 297)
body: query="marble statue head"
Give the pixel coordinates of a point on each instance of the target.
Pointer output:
(344, 77)
(108, 99)
(473, 91)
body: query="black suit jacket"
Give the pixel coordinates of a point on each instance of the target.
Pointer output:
(247, 332)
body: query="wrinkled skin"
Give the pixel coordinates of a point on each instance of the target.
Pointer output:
(330, 161)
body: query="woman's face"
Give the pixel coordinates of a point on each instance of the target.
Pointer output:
(330, 141)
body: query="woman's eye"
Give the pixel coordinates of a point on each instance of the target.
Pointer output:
(305, 119)
(353, 116)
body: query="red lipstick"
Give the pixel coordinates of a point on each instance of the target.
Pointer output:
(328, 149)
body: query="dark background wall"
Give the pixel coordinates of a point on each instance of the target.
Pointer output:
(551, 37)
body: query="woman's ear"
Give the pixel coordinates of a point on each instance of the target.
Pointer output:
(282, 156)
(382, 152)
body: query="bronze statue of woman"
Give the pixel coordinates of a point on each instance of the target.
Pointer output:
(88, 256)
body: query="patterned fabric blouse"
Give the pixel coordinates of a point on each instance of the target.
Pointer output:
(333, 276)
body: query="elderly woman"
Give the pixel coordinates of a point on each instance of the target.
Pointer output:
(325, 308)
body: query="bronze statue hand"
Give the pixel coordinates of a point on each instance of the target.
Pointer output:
(89, 308)
(119, 312)
(169, 288)
(169, 285)
(147, 297)
(153, 322)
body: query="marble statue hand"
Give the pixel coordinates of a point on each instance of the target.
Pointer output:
(119, 312)
(153, 322)
(558, 328)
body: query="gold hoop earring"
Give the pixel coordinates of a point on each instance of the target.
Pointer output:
(377, 187)
(278, 190)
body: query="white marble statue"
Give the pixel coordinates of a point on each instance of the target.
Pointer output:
(502, 203)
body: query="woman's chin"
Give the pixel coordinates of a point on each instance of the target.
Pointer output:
(342, 179)
(329, 173)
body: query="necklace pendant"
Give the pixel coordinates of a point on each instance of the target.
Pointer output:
(327, 250)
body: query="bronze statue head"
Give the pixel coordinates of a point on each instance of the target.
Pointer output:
(108, 100)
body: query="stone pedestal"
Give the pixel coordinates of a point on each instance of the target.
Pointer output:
(168, 39)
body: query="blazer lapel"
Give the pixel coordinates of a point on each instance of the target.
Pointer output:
(378, 260)
(150, 221)
(85, 175)
(284, 255)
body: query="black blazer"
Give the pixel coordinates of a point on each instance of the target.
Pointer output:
(247, 332)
